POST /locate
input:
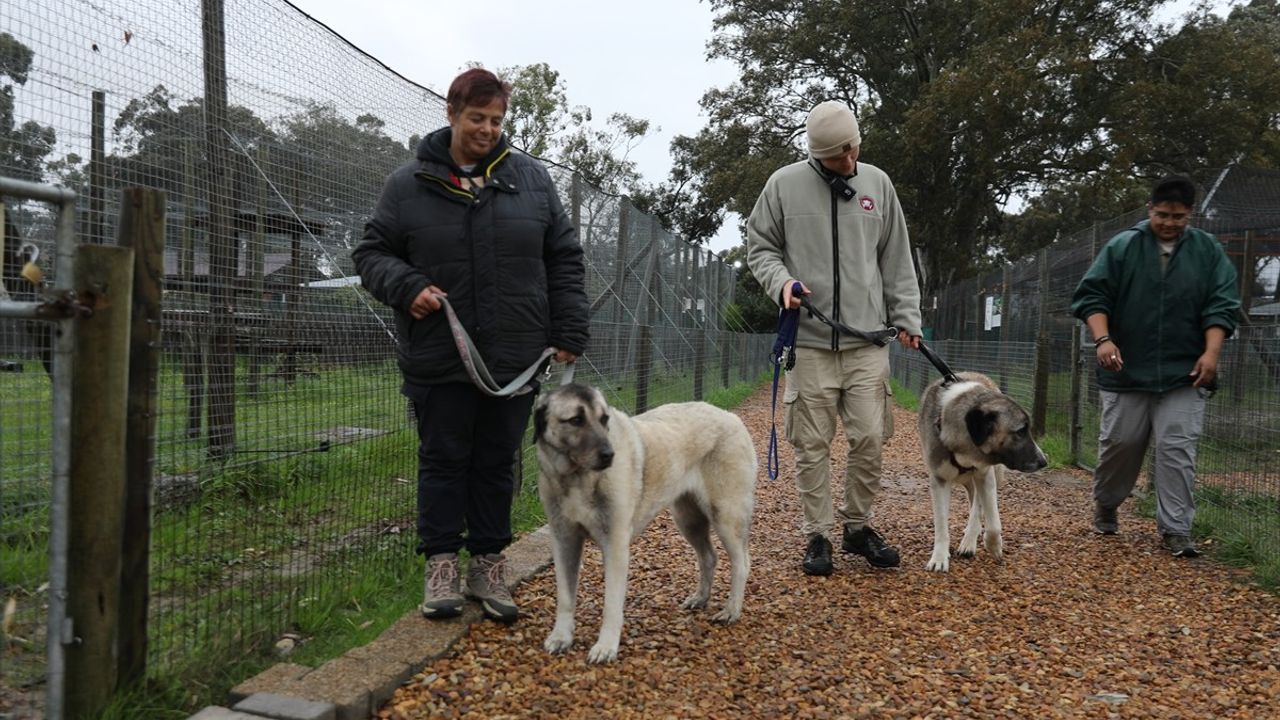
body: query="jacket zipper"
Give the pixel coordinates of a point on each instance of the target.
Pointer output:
(835, 270)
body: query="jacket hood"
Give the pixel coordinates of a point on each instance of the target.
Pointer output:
(435, 148)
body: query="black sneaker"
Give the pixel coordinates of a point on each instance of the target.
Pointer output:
(1104, 520)
(1181, 546)
(870, 544)
(817, 557)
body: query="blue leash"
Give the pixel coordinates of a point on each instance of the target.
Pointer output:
(784, 353)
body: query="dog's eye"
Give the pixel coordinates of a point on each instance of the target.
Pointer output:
(1022, 431)
(604, 420)
(577, 420)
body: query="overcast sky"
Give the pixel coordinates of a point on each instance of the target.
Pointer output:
(646, 59)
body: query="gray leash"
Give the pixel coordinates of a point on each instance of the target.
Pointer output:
(479, 372)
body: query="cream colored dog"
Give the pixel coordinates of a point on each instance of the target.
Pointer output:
(606, 475)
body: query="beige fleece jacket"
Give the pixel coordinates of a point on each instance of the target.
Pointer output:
(789, 236)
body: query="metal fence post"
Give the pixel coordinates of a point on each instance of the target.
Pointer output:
(221, 234)
(698, 326)
(644, 353)
(103, 279)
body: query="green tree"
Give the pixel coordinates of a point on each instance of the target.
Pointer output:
(160, 143)
(539, 114)
(22, 147)
(751, 308)
(969, 104)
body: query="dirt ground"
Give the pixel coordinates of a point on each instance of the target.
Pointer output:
(1071, 625)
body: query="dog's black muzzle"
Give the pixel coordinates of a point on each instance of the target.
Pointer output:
(604, 458)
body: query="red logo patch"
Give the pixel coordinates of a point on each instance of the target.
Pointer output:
(867, 203)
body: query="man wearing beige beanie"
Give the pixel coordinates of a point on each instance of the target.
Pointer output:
(834, 225)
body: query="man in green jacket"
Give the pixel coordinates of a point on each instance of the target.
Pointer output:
(1159, 300)
(834, 225)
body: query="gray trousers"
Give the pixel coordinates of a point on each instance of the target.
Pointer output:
(1130, 421)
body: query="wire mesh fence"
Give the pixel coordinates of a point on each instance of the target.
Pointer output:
(283, 449)
(1012, 322)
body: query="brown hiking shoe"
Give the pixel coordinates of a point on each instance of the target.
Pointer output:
(487, 582)
(441, 594)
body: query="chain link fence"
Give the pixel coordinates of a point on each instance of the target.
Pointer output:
(1015, 324)
(284, 454)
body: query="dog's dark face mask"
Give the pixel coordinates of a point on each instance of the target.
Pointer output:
(573, 420)
(1002, 430)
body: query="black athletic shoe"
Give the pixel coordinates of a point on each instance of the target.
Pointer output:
(817, 557)
(869, 544)
(1104, 521)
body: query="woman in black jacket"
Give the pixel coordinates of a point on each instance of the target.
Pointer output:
(472, 221)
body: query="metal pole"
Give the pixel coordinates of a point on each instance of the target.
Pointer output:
(60, 630)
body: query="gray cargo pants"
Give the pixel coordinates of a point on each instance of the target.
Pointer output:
(1173, 420)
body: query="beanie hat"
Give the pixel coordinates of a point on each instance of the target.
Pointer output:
(832, 130)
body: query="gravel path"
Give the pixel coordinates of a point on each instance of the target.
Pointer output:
(1072, 625)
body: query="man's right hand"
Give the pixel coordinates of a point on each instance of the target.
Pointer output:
(426, 302)
(789, 301)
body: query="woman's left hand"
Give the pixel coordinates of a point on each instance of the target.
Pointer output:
(564, 356)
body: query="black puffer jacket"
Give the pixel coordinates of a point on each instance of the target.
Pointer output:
(508, 257)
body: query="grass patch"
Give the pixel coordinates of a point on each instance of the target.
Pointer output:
(222, 584)
(904, 396)
(1238, 528)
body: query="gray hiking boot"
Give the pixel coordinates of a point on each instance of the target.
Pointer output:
(487, 582)
(1104, 520)
(441, 594)
(1181, 546)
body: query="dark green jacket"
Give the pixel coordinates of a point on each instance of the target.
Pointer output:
(1158, 318)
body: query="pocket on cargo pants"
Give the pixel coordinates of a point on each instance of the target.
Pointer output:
(888, 411)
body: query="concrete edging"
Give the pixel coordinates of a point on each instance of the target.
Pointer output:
(354, 685)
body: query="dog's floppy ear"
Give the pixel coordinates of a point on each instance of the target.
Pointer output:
(981, 424)
(539, 420)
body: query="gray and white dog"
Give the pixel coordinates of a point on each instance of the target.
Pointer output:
(606, 475)
(969, 433)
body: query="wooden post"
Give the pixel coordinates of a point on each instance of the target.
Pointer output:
(221, 238)
(255, 268)
(97, 155)
(104, 278)
(1040, 401)
(142, 222)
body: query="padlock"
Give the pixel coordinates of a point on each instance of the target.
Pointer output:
(30, 271)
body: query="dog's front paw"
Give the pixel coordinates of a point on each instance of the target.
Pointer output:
(603, 652)
(727, 615)
(939, 561)
(994, 544)
(695, 601)
(558, 641)
(968, 546)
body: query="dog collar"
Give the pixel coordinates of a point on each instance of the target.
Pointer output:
(952, 457)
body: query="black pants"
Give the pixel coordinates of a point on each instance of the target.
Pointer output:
(466, 447)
